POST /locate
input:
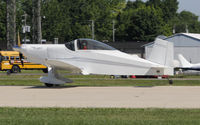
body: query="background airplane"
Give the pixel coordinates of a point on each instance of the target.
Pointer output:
(186, 65)
(94, 57)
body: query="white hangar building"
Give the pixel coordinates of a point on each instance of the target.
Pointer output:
(187, 44)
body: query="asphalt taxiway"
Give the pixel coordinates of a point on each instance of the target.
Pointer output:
(102, 97)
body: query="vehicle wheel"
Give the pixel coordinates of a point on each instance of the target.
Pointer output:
(48, 85)
(15, 69)
(8, 72)
(45, 70)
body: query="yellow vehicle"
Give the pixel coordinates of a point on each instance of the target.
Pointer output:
(10, 61)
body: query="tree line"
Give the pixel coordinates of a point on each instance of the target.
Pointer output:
(127, 20)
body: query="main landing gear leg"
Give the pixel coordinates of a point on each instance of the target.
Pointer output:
(53, 78)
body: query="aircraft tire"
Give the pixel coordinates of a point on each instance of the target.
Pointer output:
(49, 85)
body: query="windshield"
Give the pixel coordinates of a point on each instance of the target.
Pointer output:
(70, 45)
(89, 44)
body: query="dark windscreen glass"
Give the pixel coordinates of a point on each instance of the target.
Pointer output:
(89, 44)
(70, 45)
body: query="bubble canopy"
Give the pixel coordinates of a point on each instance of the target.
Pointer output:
(88, 44)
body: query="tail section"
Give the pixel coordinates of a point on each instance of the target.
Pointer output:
(183, 61)
(162, 53)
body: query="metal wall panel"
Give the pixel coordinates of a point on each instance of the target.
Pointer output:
(192, 54)
(187, 46)
(182, 40)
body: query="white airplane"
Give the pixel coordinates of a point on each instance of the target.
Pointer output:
(94, 57)
(187, 65)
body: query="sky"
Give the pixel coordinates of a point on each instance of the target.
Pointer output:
(189, 5)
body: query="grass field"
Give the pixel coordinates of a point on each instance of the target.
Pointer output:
(32, 79)
(98, 116)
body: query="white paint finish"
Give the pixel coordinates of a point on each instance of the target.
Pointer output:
(184, 40)
(109, 62)
(194, 35)
(99, 58)
(187, 44)
(186, 64)
(118, 97)
(190, 53)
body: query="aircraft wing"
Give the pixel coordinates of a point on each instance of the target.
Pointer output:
(61, 64)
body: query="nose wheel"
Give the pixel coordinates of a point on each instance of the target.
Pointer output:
(53, 79)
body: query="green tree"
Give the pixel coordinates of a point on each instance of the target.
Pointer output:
(134, 5)
(74, 21)
(57, 23)
(185, 20)
(10, 23)
(36, 21)
(3, 22)
(169, 8)
(142, 24)
(155, 3)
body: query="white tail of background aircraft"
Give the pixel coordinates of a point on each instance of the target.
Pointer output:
(184, 63)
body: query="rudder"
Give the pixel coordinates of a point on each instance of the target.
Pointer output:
(162, 53)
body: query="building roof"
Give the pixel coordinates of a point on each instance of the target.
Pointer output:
(148, 44)
(193, 35)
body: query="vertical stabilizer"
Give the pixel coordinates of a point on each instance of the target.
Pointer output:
(183, 61)
(162, 53)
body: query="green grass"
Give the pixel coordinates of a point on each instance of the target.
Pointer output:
(129, 82)
(32, 79)
(98, 116)
(185, 76)
(91, 81)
